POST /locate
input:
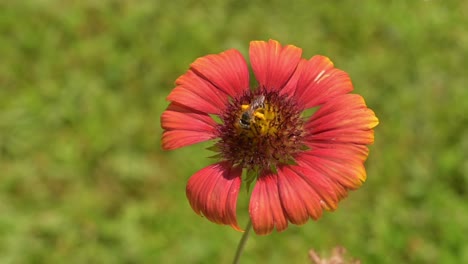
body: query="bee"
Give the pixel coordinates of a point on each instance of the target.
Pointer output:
(249, 113)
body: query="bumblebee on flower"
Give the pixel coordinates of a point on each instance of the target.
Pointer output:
(300, 165)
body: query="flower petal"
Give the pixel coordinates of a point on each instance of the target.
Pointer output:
(338, 134)
(197, 93)
(320, 82)
(299, 200)
(344, 119)
(345, 170)
(227, 71)
(213, 191)
(175, 139)
(272, 64)
(330, 191)
(265, 208)
(359, 152)
(185, 126)
(290, 87)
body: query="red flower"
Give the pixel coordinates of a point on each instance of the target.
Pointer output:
(300, 165)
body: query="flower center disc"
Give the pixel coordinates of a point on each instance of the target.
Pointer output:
(260, 131)
(257, 119)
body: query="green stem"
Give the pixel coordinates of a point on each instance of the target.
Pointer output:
(242, 242)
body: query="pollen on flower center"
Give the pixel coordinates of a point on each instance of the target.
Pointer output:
(257, 118)
(261, 130)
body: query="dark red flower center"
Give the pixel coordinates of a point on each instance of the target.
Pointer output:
(260, 130)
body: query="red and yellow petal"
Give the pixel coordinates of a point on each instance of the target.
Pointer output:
(338, 135)
(185, 126)
(266, 212)
(320, 82)
(286, 196)
(227, 71)
(299, 200)
(345, 119)
(357, 151)
(289, 88)
(196, 92)
(212, 192)
(273, 64)
(330, 190)
(348, 172)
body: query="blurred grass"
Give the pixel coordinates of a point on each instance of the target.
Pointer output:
(83, 83)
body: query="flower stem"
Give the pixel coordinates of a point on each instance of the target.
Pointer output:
(242, 242)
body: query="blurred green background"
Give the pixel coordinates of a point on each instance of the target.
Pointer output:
(83, 178)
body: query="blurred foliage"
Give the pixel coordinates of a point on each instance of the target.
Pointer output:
(83, 83)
